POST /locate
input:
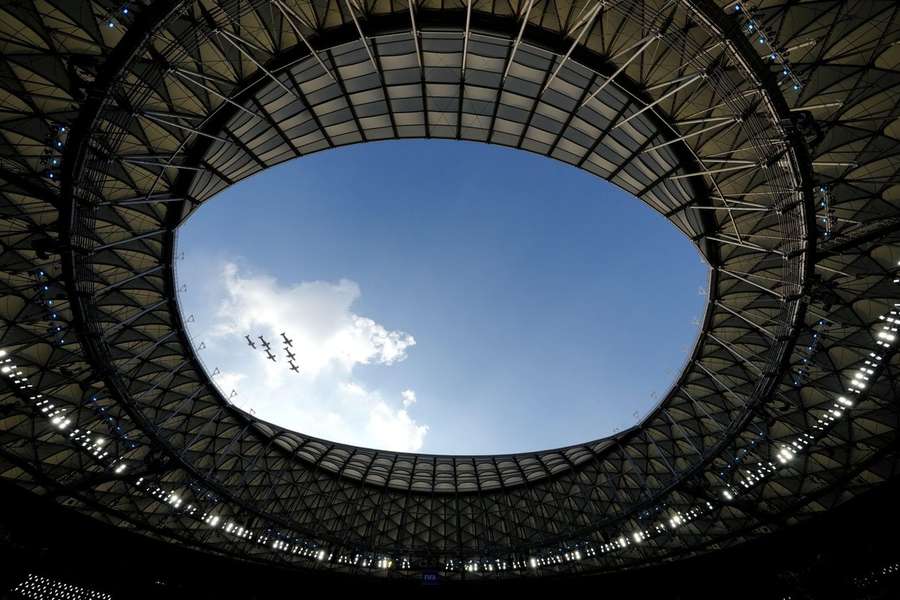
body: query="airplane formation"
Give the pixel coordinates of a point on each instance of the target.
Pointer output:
(267, 348)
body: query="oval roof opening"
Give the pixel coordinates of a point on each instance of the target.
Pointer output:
(441, 297)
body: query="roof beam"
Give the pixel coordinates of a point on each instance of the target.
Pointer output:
(515, 47)
(415, 33)
(289, 15)
(646, 44)
(238, 43)
(466, 37)
(362, 38)
(585, 23)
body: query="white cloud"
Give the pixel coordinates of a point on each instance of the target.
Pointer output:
(315, 315)
(228, 381)
(387, 425)
(328, 341)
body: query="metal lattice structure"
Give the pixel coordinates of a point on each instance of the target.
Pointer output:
(766, 133)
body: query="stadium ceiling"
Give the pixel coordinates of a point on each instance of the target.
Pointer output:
(767, 133)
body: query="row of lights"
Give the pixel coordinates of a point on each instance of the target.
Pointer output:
(826, 216)
(44, 298)
(233, 527)
(370, 561)
(474, 565)
(39, 587)
(53, 147)
(112, 423)
(809, 350)
(97, 446)
(876, 576)
(858, 381)
(742, 454)
(786, 453)
(117, 16)
(497, 564)
(777, 55)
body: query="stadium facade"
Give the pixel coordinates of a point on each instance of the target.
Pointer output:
(766, 132)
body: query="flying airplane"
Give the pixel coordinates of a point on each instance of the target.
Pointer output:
(287, 341)
(270, 356)
(265, 344)
(250, 342)
(290, 354)
(294, 368)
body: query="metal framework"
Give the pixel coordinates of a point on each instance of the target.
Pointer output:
(767, 134)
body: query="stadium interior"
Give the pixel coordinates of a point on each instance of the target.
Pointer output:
(766, 132)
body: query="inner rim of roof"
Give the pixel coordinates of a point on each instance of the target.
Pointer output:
(293, 442)
(354, 461)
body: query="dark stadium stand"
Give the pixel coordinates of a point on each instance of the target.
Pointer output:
(850, 554)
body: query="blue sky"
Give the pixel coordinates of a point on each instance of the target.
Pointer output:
(446, 297)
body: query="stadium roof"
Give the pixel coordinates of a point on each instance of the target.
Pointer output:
(767, 133)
